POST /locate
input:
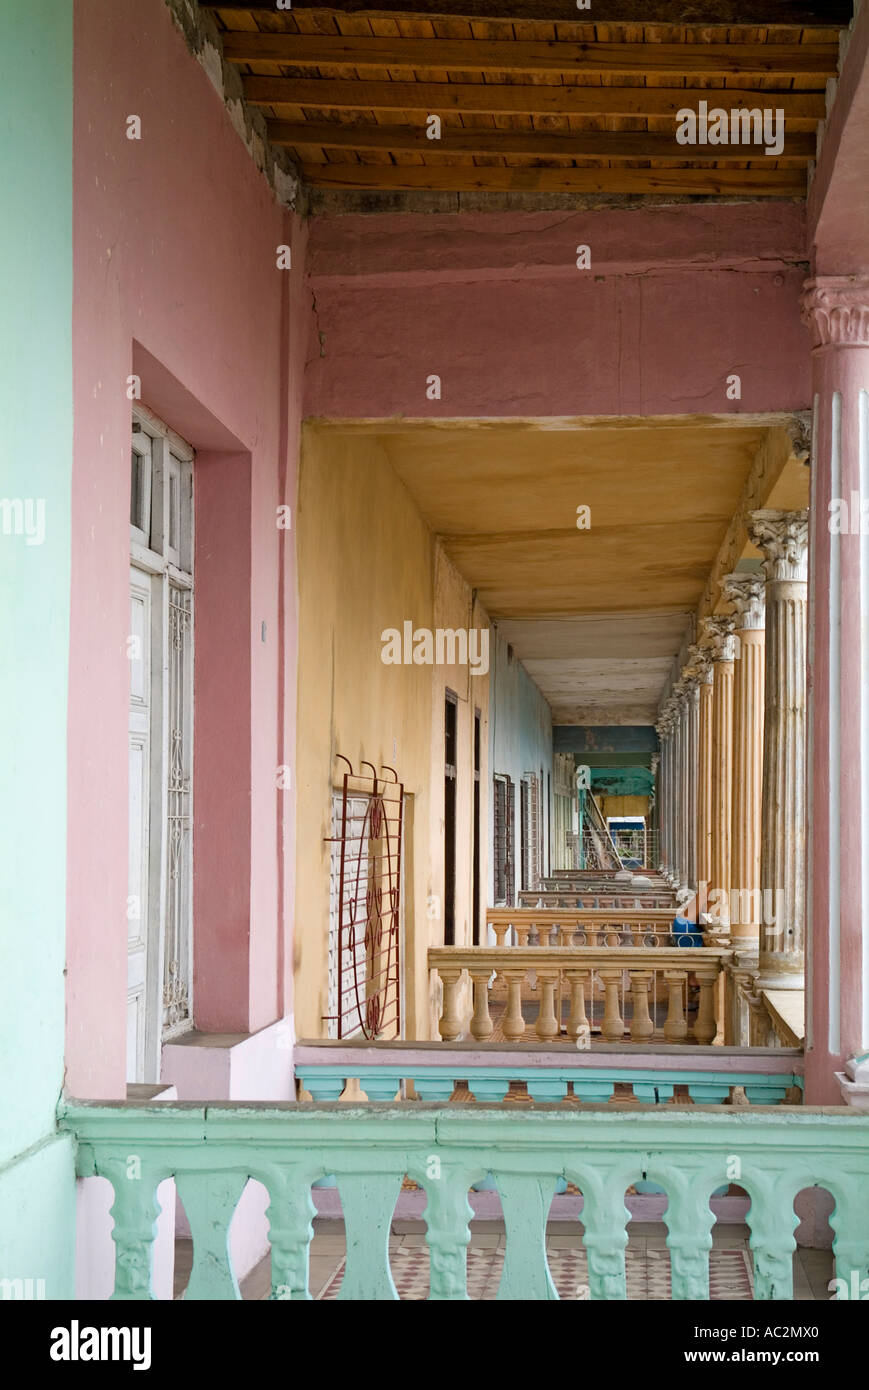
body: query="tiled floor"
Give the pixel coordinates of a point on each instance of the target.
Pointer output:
(647, 1262)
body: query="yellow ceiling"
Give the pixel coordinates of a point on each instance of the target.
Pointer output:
(504, 502)
(597, 616)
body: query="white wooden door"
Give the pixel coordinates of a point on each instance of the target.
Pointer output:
(138, 905)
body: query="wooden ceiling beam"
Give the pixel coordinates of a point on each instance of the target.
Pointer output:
(734, 183)
(799, 149)
(557, 56)
(801, 14)
(802, 109)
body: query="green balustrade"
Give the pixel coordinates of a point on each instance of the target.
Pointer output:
(326, 1082)
(212, 1150)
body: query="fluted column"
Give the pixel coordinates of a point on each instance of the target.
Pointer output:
(782, 537)
(652, 855)
(668, 754)
(705, 672)
(679, 855)
(836, 308)
(684, 788)
(693, 700)
(723, 646)
(746, 593)
(661, 793)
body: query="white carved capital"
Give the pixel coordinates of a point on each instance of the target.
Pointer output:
(719, 632)
(836, 310)
(747, 594)
(783, 540)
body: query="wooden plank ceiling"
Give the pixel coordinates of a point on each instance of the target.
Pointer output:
(530, 101)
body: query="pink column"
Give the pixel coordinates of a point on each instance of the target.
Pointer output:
(837, 310)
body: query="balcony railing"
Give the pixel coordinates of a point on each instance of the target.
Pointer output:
(634, 986)
(596, 900)
(384, 1072)
(617, 923)
(212, 1151)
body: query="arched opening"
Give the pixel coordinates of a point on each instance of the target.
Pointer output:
(814, 1260)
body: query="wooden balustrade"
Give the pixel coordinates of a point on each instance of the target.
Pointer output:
(620, 975)
(571, 926)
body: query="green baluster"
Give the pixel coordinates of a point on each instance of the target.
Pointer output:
(291, 1212)
(689, 1234)
(447, 1214)
(604, 1215)
(368, 1200)
(525, 1201)
(850, 1223)
(772, 1220)
(135, 1211)
(209, 1201)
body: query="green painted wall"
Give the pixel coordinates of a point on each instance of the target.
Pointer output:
(36, 1165)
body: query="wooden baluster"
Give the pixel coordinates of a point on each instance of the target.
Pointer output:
(451, 1025)
(612, 1028)
(514, 1023)
(547, 1024)
(675, 1026)
(482, 1026)
(705, 1028)
(577, 1024)
(642, 1026)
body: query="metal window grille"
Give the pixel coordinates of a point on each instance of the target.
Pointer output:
(504, 838)
(365, 915)
(530, 831)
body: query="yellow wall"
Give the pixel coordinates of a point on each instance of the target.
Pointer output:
(625, 806)
(367, 562)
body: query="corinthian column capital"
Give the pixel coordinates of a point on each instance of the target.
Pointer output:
(719, 632)
(836, 310)
(799, 430)
(699, 666)
(747, 593)
(783, 539)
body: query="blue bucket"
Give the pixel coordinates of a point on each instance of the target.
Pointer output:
(685, 933)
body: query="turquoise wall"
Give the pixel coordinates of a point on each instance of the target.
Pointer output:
(36, 1165)
(520, 735)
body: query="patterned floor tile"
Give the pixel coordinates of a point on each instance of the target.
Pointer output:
(648, 1274)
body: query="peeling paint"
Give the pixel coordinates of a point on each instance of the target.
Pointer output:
(203, 40)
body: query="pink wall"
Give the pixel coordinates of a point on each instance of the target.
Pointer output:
(176, 278)
(838, 206)
(676, 299)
